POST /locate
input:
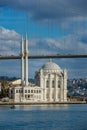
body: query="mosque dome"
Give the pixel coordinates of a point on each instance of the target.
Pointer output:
(51, 66)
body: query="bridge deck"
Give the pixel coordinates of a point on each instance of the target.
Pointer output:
(45, 56)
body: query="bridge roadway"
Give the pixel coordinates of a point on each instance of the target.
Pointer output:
(45, 56)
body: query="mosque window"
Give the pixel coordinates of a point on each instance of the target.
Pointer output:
(25, 91)
(25, 96)
(53, 84)
(16, 91)
(28, 96)
(47, 84)
(59, 83)
(37, 91)
(28, 91)
(31, 91)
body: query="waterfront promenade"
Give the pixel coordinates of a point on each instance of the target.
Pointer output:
(42, 103)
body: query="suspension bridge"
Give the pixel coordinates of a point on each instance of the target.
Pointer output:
(45, 56)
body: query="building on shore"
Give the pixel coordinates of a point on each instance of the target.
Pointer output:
(50, 82)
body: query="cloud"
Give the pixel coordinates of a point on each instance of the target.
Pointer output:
(70, 44)
(9, 42)
(43, 10)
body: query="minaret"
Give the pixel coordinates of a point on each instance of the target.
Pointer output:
(26, 61)
(22, 62)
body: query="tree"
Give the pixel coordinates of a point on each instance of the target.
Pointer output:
(4, 88)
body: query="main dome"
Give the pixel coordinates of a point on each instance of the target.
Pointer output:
(51, 66)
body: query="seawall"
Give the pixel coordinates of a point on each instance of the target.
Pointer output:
(41, 103)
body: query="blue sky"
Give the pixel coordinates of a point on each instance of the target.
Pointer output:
(55, 26)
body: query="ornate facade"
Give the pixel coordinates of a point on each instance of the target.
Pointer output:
(53, 82)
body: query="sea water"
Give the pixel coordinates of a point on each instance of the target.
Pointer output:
(44, 117)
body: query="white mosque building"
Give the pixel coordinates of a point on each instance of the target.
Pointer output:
(50, 82)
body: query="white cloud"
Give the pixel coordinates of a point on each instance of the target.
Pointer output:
(7, 34)
(68, 44)
(9, 42)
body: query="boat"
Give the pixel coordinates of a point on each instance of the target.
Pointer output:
(12, 107)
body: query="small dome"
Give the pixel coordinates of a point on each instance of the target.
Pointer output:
(51, 66)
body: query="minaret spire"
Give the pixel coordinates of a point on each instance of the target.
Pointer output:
(26, 61)
(22, 61)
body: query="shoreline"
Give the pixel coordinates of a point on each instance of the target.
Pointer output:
(41, 103)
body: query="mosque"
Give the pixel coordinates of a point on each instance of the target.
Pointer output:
(50, 82)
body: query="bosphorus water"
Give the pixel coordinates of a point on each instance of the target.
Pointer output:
(44, 117)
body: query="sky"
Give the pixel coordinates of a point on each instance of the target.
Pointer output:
(53, 27)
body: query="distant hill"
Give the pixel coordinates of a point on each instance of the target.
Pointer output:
(8, 78)
(77, 87)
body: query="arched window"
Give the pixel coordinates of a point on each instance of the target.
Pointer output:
(59, 83)
(31, 91)
(28, 91)
(28, 96)
(47, 83)
(25, 91)
(53, 84)
(16, 91)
